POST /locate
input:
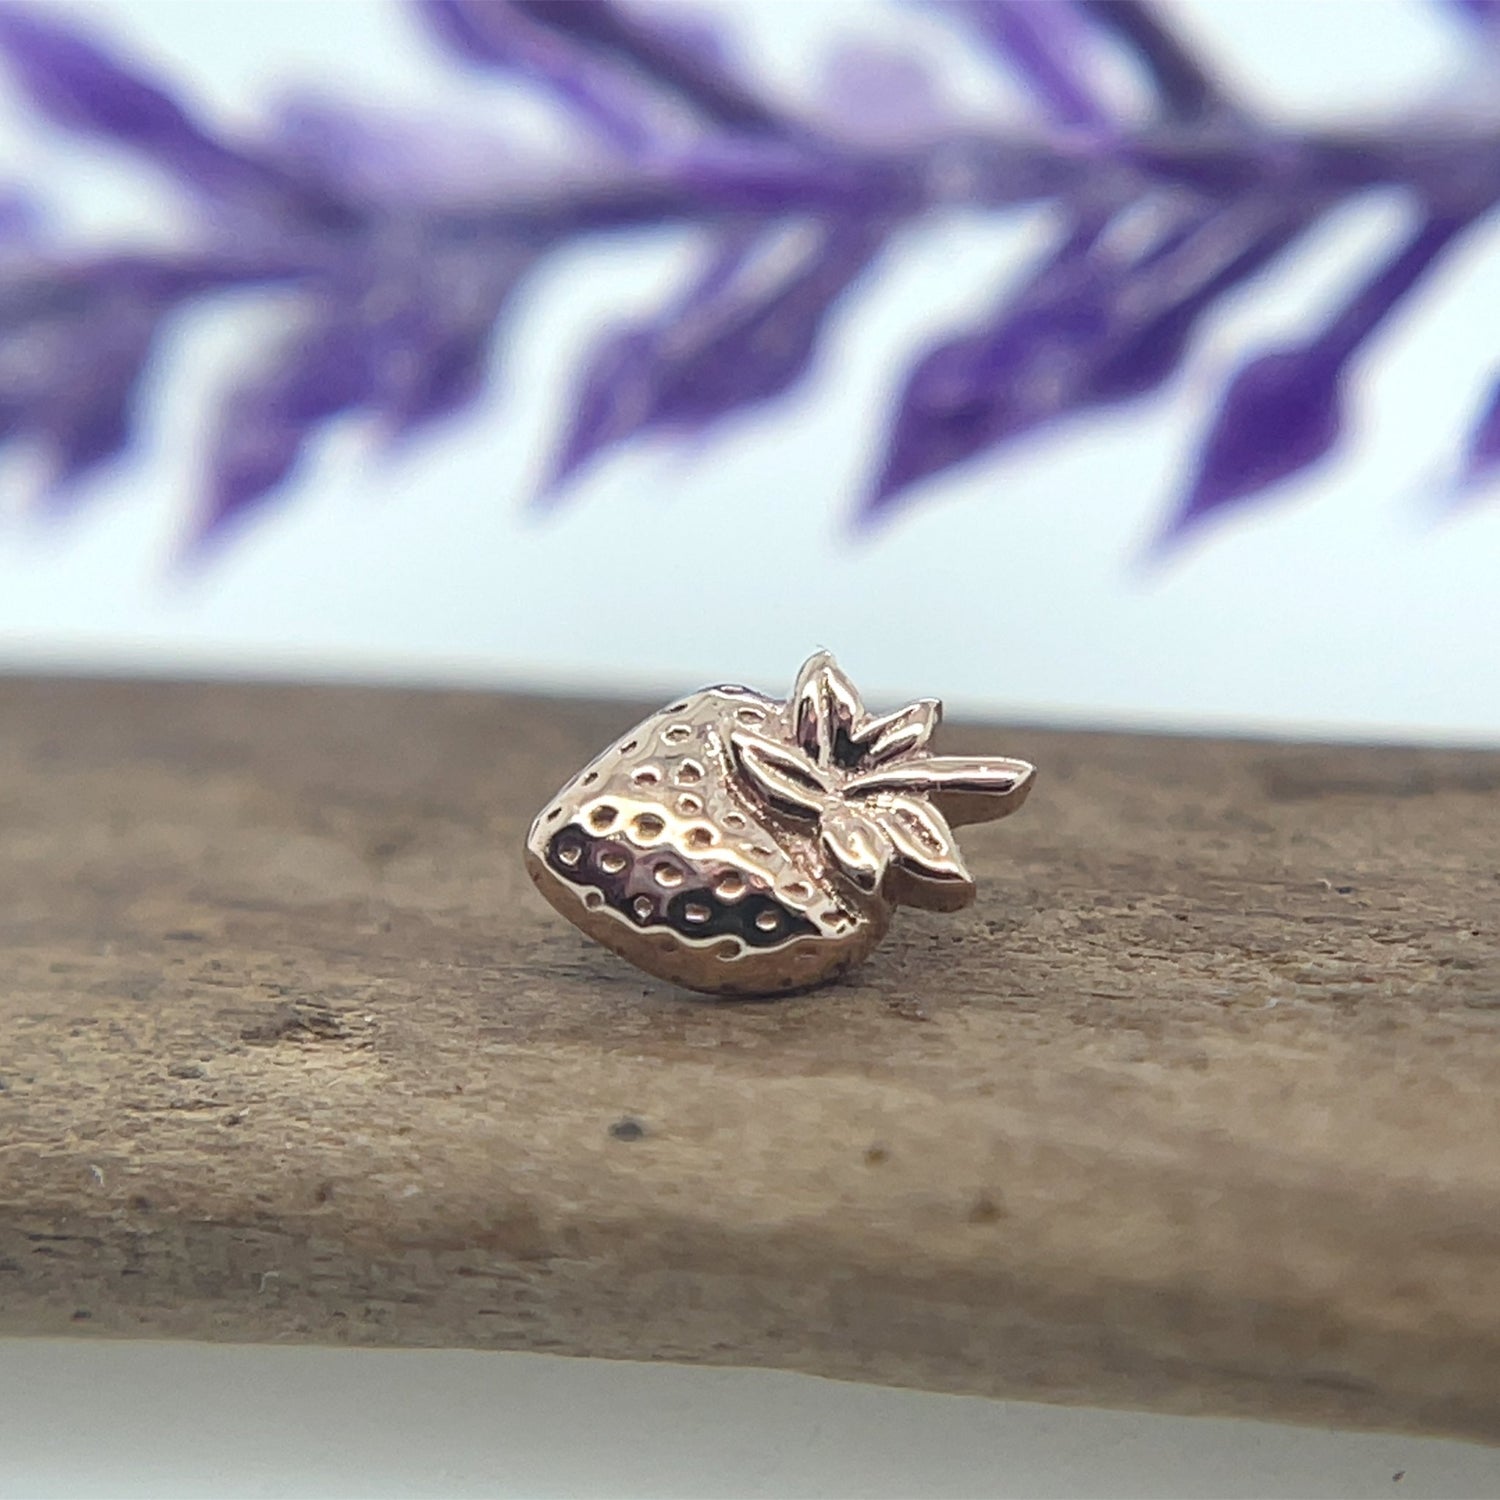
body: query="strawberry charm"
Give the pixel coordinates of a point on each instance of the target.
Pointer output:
(742, 845)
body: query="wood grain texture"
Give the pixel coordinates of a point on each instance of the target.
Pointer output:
(1198, 1109)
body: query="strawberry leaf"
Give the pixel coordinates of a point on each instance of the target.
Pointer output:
(964, 789)
(858, 844)
(923, 843)
(785, 778)
(825, 709)
(897, 734)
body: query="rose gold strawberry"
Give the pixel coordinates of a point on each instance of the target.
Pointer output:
(742, 845)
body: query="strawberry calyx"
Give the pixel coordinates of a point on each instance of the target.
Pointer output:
(877, 796)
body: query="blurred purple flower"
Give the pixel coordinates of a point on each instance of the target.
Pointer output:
(1487, 12)
(1482, 460)
(75, 339)
(1095, 324)
(693, 69)
(1184, 88)
(500, 36)
(401, 246)
(400, 298)
(406, 339)
(876, 98)
(744, 333)
(1283, 411)
(20, 220)
(77, 84)
(1046, 46)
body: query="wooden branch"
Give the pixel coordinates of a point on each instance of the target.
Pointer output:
(1198, 1109)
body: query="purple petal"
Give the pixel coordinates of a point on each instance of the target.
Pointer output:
(74, 342)
(1485, 12)
(87, 419)
(390, 166)
(1280, 415)
(435, 352)
(22, 223)
(744, 333)
(666, 55)
(1094, 325)
(497, 34)
(1385, 291)
(879, 98)
(1045, 44)
(1184, 87)
(265, 425)
(1482, 460)
(977, 391)
(77, 84)
(1213, 257)
(408, 339)
(1282, 411)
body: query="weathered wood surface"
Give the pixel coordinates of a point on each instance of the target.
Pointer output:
(1198, 1109)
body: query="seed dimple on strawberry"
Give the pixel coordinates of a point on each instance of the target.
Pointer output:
(736, 843)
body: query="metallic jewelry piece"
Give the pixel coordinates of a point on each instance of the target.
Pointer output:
(742, 845)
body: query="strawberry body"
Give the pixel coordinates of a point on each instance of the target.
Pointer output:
(745, 845)
(657, 850)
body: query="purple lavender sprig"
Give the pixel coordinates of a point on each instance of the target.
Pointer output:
(400, 284)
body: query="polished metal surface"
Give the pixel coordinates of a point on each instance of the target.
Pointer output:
(745, 845)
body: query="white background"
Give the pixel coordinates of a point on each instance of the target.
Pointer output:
(1350, 606)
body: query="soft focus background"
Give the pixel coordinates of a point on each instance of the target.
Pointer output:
(1358, 599)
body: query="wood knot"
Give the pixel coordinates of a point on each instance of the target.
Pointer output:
(985, 1210)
